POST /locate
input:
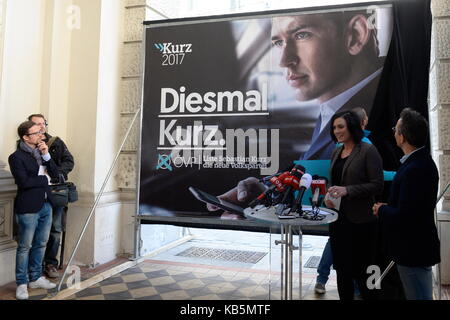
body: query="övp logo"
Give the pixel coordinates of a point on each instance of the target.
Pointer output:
(164, 162)
(168, 47)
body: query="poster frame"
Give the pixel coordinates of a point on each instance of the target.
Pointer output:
(211, 223)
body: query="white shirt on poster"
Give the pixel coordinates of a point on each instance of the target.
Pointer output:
(330, 107)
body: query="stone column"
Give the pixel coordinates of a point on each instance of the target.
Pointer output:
(135, 12)
(7, 243)
(152, 236)
(440, 120)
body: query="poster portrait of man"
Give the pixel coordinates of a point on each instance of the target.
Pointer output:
(246, 97)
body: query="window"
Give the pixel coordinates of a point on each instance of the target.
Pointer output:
(194, 8)
(2, 33)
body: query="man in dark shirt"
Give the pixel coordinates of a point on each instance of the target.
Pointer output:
(409, 213)
(333, 58)
(346, 79)
(65, 163)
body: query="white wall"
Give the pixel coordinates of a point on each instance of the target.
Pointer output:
(22, 68)
(58, 66)
(20, 95)
(83, 94)
(73, 76)
(94, 100)
(109, 90)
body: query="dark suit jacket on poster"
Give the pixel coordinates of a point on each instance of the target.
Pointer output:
(321, 144)
(362, 175)
(31, 188)
(409, 216)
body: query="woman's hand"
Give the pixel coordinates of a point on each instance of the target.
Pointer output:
(337, 192)
(376, 207)
(329, 204)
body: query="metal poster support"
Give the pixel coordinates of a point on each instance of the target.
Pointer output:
(97, 200)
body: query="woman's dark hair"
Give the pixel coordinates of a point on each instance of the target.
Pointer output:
(414, 127)
(353, 125)
(22, 130)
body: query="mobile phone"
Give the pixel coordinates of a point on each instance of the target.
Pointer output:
(209, 198)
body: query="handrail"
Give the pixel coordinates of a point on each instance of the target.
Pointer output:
(443, 192)
(97, 200)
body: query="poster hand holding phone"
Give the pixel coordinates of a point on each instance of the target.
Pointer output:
(208, 198)
(225, 104)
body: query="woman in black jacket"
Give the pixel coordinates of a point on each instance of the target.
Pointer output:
(356, 173)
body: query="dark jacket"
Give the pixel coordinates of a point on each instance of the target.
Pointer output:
(321, 145)
(61, 155)
(362, 175)
(409, 216)
(31, 188)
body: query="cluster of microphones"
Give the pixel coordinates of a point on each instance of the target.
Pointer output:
(286, 190)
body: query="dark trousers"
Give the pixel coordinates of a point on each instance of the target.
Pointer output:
(51, 252)
(353, 246)
(391, 286)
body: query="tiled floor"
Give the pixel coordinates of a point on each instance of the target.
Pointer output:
(167, 280)
(168, 276)
(8, 291)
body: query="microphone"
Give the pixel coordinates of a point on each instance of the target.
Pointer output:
(292, 181)
(287, 169)
(305, 183)
(318, 188)
(277, 184)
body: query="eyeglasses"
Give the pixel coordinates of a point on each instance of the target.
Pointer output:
(34, 133)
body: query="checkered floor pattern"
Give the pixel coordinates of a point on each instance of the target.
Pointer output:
(168, 280)
(165, 280)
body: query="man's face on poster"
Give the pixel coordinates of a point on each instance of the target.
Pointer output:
(312, 49)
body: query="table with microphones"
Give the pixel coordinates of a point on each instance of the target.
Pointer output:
(281, 206)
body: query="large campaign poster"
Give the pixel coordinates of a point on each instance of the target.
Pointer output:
(230, 100)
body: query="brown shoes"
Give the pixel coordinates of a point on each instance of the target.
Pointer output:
(51, 271)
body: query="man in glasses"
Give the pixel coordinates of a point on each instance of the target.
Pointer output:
(33, 169)
(65, 163)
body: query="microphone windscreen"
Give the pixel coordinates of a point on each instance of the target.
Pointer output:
(319, 184)
(306, 180)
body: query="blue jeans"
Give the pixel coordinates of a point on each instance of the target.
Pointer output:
(55, 237)
(325, 264)
(417, 282)
(34, 229)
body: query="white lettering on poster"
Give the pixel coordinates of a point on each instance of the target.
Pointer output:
(237, 101)
(209, 145)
